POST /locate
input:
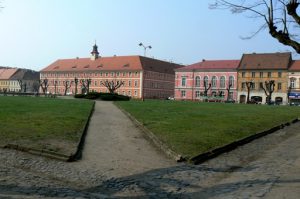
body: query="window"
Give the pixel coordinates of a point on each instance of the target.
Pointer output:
(279, 86)
(129, 83)
(253, 74)
(95, 83)
(231, 81)
(112, 74)
(243, 74)
(135, 93)
(124, 74)
(230, 95)
(269, 74)
(261, 74)
(222, 82)
(183, 81)
(101, 74)
(135, 83)
(106, 74)
(197, 81)
(279, 74)
(118, 74)
(214, 82)
(182, 93)
(292, 82)
(136, 74)
(253, 86)
(205, 81)
(243, 85)
(197, 94)
(129, 93)
(129, 74)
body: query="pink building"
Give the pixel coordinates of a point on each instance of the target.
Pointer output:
(214, 80)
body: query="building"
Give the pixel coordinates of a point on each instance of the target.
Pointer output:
(12, 79)
(209, 79)
(294, 82)
(255, 69)
(143, 77)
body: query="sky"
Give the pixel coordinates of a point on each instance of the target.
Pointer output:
(35, 33)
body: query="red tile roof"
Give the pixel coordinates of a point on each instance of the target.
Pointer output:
(115, 63)
(212, 65)
(6, 73)
(295, 66)
(265, 61)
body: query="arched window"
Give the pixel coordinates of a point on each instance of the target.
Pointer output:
(222, 82)
(231, 81)
(197, 81)
(205, 81)
(292, 82)
(214, 81)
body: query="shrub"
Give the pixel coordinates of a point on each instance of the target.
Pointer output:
(79, 96)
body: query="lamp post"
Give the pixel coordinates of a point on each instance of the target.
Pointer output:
(145, 48)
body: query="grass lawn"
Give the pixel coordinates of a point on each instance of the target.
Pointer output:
(191, 128)
(43, 123)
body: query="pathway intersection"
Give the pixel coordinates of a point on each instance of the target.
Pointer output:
(119, 163)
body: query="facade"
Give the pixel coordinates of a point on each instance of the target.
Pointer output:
(10, 79)
(294, 82)
(258, 68)
(191, 81)
(143, 77)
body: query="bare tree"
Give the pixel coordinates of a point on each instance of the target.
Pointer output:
(67, 84)
(112, 85)
(228, 90)
(21, 85)
(206, 88)
(269, 89)
(44, 85)
(36, 87)
(249, 85)
(85, 83)
(76, 84)
(280, 17)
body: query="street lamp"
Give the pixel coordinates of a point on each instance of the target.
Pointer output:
(145, 48)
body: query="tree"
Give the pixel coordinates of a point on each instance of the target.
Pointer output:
(228, 90)
(76, 85)
(206, 88)
(280, 17)
(21, 85)
(269, 89)
(36, 87)
(85, 83)
(44, 85)
(112, 85)
(67, 85)
(249, 85)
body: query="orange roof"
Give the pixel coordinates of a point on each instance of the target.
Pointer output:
(295, 66)
(115, 63)
(6, 73)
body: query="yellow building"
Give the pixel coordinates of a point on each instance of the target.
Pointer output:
(5, 75)
(255, 69)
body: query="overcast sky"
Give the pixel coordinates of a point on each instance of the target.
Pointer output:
(35, 33)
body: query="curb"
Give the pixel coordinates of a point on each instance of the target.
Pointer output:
(229, 147)
(159, 144)
(45, 153)
(78, 153)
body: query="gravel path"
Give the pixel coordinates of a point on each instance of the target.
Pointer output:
(265, 168)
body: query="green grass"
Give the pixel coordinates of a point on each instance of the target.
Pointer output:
(37, 122)
(191, 128)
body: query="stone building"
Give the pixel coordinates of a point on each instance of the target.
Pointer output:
(143, 77)
(259, 68)
(294, 82)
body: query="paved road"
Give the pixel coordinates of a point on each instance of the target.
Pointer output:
(265, 168)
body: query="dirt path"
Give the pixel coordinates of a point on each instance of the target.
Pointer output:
(116, 147)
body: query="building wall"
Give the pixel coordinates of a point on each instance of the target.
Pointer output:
(156, 85)
(294, 86)
(192, 90)
(4, 85)
(260, 76)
